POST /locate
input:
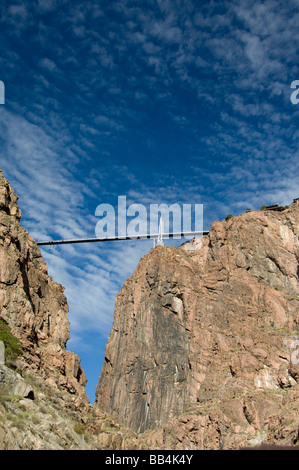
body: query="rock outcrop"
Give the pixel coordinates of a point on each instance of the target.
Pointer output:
(43, 404)
(203, 352)
(12, 383)
(35, 415)
(204, 348)
(32, 304)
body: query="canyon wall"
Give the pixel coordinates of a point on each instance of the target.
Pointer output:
(43, 403)
(202, 352)
(32, 304)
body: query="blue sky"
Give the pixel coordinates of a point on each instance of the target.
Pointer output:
(162, 101)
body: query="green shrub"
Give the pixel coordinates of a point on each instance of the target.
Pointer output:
(79, 429)
(229, 216)
(13, 348)
(263, 207)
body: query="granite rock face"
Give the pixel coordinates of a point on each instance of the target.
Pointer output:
(32, 304)
(43, 404)
(203, 352)
(204, 348)
(11, 383)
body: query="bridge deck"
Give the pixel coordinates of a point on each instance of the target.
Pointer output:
(133, 237)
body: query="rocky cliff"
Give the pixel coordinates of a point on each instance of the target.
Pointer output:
(32, 304)
(203, 352)
(43, 404)
(204, 348)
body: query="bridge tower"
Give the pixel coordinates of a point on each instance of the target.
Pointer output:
(159, 240)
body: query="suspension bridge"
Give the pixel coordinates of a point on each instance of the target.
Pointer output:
(158, 237)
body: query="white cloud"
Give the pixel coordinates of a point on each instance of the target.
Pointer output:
(18, 10)
(48, 64)
(46, 6)
(53, 202)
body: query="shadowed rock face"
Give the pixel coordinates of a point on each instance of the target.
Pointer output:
(147, 356)
(204, 336)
